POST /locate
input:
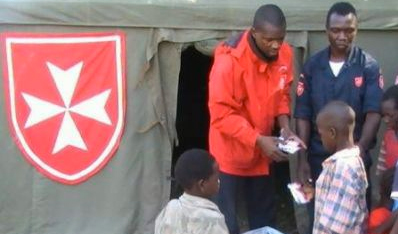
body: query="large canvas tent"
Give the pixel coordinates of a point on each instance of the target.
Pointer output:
(126, 195)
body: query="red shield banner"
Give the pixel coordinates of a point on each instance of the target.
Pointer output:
(65, 97)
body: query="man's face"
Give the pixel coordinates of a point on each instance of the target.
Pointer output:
(341, 31)
(269, 39)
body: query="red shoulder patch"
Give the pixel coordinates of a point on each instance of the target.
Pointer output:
(358, 81)
(300, 88)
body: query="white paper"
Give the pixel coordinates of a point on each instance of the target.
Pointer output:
(297, 193)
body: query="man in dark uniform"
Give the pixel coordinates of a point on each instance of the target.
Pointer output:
(342, 72)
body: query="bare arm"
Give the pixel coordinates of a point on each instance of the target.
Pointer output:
(283, 122)
(303, 128)
(369, 131)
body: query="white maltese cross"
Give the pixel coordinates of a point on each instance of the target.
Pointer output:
(41, 110)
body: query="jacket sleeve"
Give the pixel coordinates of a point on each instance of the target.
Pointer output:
(374, 87)
(226, 100)
(284, 103)
(303, 107)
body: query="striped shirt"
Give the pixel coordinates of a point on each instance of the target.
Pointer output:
(388, 152)
(340, 203)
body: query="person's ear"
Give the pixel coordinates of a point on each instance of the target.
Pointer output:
(253, 31)
(333, 132)
(201, 184)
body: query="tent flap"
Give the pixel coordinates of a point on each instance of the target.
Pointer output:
(187, 14)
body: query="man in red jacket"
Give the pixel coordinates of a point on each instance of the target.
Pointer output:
(248, 92)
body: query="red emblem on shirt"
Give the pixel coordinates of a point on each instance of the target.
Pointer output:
(283, 69)
(300, 88)
(282, 81)
(66, 100)
(358, 81)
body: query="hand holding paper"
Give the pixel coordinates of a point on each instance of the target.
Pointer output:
(301, 193)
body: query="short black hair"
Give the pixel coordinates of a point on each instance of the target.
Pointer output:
(341, 115)
(340, 8)
(193, 165)
(269, 13)
(391, 93)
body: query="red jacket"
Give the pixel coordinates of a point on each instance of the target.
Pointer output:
(246, 94)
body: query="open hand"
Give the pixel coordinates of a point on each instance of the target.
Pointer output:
(268, 146)
(308, 191)
(287, 134)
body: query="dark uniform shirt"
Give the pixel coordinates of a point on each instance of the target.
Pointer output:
(359, 84)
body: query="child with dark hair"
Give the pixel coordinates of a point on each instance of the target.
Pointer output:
(380, 215)
(388, 156)
(340, 190)
(193, 212)
(389, 149)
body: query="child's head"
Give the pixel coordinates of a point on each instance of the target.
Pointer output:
(197, 172)
(335, 123)
(386, 181)
(389, 107)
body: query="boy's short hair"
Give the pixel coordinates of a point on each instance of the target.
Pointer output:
(193, 165)
(386, 180)
(391, 93)
(342, 114)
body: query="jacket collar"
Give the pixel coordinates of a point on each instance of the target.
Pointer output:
(351, 59)
(245, 47)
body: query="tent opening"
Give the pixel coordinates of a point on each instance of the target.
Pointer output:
(192, 121)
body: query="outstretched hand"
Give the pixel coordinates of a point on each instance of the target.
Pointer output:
(268, 146)
(308, 191)
(288, 134)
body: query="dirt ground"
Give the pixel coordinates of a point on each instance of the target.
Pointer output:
(286, 212)
(286, 221)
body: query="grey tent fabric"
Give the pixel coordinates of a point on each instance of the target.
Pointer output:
(126, 195)
(123, 197)
(188, 14)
